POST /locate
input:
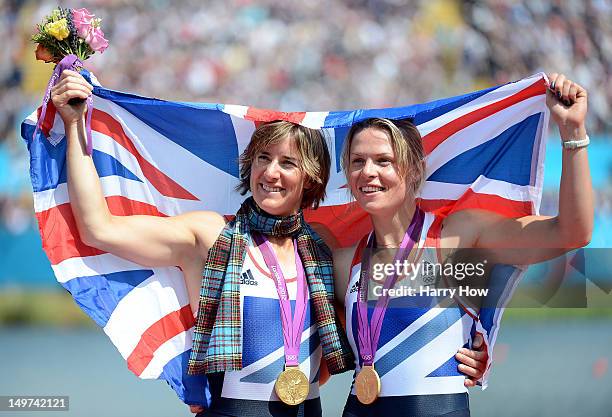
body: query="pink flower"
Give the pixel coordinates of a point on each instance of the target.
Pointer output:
(95, 39)
(82, 20)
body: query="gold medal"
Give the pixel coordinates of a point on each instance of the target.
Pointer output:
(367, 385)
(292, 386)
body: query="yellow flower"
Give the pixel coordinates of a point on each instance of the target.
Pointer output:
(59, 30)
(56, 14)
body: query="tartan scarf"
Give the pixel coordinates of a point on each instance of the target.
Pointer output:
(217, 343)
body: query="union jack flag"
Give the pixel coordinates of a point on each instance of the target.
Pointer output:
(484, 150)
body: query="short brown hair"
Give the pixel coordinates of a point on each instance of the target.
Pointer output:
(407, 146)
(311, 146)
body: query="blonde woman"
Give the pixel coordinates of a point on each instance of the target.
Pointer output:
(394, 339)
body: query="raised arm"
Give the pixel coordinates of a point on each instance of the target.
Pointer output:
(147, 240)
(539, 238)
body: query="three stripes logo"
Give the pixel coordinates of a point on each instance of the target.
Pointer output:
(247, 278)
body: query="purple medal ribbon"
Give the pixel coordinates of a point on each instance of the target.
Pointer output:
(292, 327)
(368, 334)
(68, 62)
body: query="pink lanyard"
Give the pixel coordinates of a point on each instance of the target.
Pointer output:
(292, 327)
(369, 334)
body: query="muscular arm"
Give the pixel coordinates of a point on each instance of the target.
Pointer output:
(181, 240)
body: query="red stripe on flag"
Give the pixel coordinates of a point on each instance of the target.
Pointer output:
(123, 206)
(340, 226)
(47, 124)
(104, 123)
(473, 200)
(156, 335)
(59, 231)
(358, 252)
(60, 236)
(436, 137)
(260, 116)
(433, 235)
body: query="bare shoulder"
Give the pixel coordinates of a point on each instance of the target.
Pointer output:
(461, 229)
(205, 225)
(344, 256)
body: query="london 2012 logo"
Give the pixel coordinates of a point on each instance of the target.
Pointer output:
(428, 273)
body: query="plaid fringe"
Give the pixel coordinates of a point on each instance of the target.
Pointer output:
(217, 345)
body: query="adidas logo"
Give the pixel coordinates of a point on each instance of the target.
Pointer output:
(355, 287)
(247, 278)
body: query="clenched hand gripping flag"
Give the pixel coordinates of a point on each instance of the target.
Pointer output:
(484, 150)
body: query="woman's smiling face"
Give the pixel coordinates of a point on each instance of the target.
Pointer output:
(277, 178)
(373, 175)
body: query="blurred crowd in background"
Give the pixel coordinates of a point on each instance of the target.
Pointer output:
(308, 55)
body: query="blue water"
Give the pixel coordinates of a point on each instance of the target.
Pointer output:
(543, 369)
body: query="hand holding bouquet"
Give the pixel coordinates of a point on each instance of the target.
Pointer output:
(67, 37)
(69, 31)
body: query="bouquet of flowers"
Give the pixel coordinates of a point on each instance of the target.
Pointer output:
(67, 37)
(69, 31)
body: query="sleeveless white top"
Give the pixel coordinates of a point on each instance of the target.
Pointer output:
(263, 357)
(419, 338)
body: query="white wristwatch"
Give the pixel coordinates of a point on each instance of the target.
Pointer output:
(574, 144)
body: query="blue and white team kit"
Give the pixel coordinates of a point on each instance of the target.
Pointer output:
(420, 336)
(415, 358)
(250, 391)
